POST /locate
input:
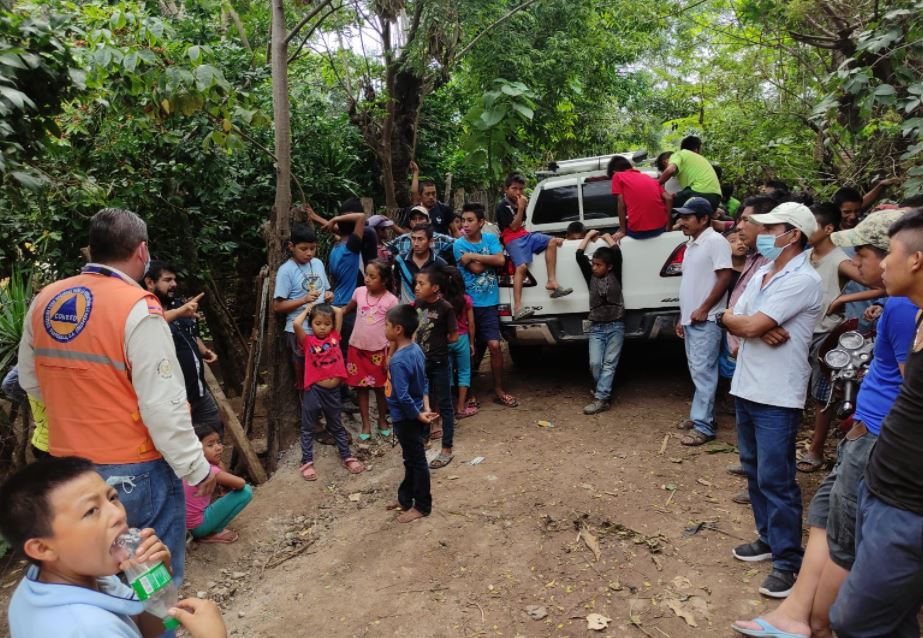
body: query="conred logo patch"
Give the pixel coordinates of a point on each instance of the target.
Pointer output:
(67, 313)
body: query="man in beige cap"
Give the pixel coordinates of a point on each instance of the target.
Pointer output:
(770, 384)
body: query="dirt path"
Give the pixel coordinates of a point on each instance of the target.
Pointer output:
(505, 535)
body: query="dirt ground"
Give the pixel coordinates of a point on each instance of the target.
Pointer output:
(604, 515)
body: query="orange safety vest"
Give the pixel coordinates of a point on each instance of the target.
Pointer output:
(78, 337)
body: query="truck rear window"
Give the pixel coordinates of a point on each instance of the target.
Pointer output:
(598, 200)
(556, 205)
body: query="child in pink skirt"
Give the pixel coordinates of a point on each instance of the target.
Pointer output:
(367, 356)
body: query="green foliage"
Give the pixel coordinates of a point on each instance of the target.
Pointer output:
(15, 295)
(494, 123)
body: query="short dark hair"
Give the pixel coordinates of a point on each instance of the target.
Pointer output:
(605, 254)
(776, 185)
(576, 227)
(25, 510)
(436, 274)
(514, 178)
(351, 205)
(302, 234)
(425, 227)
(423, 183)
(321, 309)
(718, 170)
(802, 238)
(761, 204)
(405, 316)
(204, 429)
(617, 164)
(911, 221)
(454, 216)
(827, 214)
(662, 161)
(474, 207)
(727, 191)
(157, 269)
(846, 194)
(691, 143)
(115, 233)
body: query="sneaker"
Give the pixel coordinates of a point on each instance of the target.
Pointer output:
(596, 407)
(736, 470)
(778, 584)
(742, 497)
(753, 552)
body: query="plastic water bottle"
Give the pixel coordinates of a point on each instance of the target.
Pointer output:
(152, 583)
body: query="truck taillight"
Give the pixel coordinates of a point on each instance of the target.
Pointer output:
(504, 310)
(673, 267)
(505, 276)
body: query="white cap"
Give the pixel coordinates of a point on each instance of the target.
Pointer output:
(792, 213)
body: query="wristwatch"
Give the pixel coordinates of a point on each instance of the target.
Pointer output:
(719, 318)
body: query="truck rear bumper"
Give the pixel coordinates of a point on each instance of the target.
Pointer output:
(563, 329)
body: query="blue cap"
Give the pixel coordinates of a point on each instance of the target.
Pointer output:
(698, 206)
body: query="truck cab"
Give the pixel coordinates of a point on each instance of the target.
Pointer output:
(580, 190)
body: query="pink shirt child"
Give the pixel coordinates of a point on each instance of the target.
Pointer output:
(196, 504)
(369, 331)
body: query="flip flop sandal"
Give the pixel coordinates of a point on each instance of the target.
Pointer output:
(308, 472)
(509, 401)
(696, 438)
(354, 465)
(525, 313)
(363, 437)
(767, 631)
(441, 461)
(472, 403)
(224, 537)
(385, 434)
(561, 292)
(809, 462)
(469, 410)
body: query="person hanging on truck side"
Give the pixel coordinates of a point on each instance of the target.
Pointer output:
(521, 244)
(643, 204)
(695, 174)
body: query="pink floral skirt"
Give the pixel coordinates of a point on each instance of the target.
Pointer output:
(366, 369)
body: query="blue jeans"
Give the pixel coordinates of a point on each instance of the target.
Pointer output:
(766, 440)
(153, 497)
(606, 340)
(703, 345)
(460, 360)
(219, 514)
(884, 590)
(440, 394)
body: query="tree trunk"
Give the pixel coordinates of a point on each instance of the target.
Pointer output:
(283, 402)
(407, 98)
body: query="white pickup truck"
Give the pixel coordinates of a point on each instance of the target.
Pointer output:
(579, 190)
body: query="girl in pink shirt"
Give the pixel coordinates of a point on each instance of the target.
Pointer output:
(367, 355)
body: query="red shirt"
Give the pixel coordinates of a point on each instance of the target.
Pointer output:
(323, 359)
(644, 203)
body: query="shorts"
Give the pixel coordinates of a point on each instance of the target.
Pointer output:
(820, 376)
(297, 353)
(852, 459)
(205, 412)
(521, 250)
(486, 324)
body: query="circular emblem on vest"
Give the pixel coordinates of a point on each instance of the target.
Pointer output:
(66, 315)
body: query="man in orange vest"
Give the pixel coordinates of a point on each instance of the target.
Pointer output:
(96, 349)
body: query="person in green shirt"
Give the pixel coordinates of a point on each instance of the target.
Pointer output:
(696, 175)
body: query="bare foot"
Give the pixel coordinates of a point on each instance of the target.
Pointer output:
(779, 621)
(394, 505)
(409, 516)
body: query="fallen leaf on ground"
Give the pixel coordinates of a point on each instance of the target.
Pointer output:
(590, 541)
(355, 496)
(597, 622)
(681, 612)
(702, 481)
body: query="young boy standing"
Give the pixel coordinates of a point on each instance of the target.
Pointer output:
(702, 295)
(479, 256)
(65, 519)
(406, 391)
(521, 244)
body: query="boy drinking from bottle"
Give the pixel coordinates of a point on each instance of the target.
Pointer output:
(65, 519)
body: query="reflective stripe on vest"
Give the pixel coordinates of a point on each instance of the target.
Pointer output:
(78, 337)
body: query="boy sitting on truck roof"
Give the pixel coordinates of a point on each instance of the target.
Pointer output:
(521, 244)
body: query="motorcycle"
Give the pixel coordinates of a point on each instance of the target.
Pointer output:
(847, 354)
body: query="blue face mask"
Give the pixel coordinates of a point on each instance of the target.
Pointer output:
(766, 246)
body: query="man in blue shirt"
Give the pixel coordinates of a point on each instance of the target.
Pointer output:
(786, 292)
(830, 550)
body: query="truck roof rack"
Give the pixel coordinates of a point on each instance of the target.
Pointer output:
(588, 164)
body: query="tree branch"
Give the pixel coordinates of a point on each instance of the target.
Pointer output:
(310, 15)
(311, 32)
(494, 24)
(417, 15)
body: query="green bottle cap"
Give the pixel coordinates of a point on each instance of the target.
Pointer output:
(171, 623)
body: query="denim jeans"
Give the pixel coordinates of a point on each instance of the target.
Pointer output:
(414, 490)
(460, 360)
(703, 345)
(219, 514)
(606, 340)
(153, 496)
(438, 374)
(766, 439)
(884, 590)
